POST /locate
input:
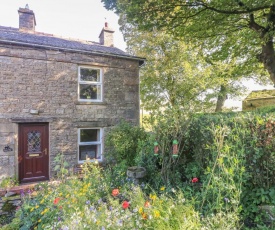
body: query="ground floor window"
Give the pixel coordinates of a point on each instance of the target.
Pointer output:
(90, 144)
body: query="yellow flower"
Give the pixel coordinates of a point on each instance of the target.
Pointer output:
(153, 197)
(156, 214)
(39, 221)
(36, 206)
(162, 188)
(67, 195)
(140, 210)
(34, 193)
(97, 222)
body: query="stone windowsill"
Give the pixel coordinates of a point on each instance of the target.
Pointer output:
(90, 103)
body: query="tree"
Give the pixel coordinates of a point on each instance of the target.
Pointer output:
(176, 74)
(226, 29)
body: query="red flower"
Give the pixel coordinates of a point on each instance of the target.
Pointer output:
(147, 204)
(115, 192)
(195, 180)
(56, 200)
(125, 204)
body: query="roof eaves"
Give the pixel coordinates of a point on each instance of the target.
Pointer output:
(139, 59)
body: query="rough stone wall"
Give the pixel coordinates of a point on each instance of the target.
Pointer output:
(7, 149)
(47, 80)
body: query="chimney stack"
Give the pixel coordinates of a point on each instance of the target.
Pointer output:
(106, 37)
(27, 21)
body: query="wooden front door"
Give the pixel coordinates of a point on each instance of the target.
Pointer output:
(33, 156)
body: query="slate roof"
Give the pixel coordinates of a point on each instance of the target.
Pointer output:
(13, 35)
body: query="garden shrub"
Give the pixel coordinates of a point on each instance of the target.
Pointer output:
(122, 144)
(244, 156)
(231, 155)
(163, 167)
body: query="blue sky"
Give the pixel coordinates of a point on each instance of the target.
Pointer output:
(80, 19)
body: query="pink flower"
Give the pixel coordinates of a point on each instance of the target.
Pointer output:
(115, 192)
(195, 180)
(125, 204)
(147, 204)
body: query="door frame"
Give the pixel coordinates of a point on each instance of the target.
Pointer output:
(21, 155)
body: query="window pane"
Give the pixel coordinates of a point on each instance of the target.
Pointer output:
(89, 135)
(90, 75)
(90, 92)
(34, 141)
(89, 151)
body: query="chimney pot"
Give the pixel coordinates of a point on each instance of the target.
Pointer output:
(106, 37)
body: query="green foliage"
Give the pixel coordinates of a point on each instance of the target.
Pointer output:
(237, 162)
(8, 182)
(225, 29)
(177, 73)
(61, 166)
(122, 144)
(148, 160)
(14, 223)
(231, 154)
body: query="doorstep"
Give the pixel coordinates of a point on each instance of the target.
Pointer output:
(18, 189)
(23, 187)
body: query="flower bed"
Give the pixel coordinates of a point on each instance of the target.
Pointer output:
(92, 203)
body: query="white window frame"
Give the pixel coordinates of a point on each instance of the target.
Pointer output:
(100, 142)
(95, 83)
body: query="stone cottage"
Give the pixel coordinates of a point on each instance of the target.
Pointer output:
(60, 96)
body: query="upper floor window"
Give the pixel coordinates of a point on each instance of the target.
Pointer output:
(89, 84)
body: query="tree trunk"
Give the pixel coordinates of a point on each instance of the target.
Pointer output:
(267, 57)
(221, 99)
